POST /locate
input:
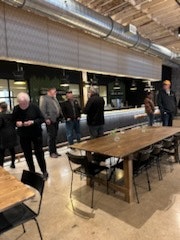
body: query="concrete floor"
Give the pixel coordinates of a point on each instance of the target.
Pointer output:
(156, 217)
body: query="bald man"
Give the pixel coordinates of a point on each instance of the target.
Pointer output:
(167, 103)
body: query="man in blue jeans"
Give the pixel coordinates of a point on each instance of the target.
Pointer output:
(72, 114)
(167, 103)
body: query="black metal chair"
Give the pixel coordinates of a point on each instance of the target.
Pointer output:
(85, 168)
(140, 164)
(156, 156)
(169, 149)
(21, 213)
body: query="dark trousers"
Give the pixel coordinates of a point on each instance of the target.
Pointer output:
(52, 131)
(167, 119)
(26, 144)
(150, 119)
(2, 155)
(96, 131)
(71, 127)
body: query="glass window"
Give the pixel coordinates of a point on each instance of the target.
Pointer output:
(9, 92)
(103, 93)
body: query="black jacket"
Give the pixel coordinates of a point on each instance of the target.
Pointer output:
(95, 110)
(167, 103)
(8, 137)
(31, 113)
(67, 109)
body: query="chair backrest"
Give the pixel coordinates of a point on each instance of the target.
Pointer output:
(76, 159)
(168, 142)
(145, 154)
(36, 181)
(157, 148)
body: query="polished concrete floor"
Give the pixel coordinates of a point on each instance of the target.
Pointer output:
(156, 217)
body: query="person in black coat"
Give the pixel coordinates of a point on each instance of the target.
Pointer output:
(95, 113)
(72, 114)
(28, 119)
(167, 103)
(8, 137)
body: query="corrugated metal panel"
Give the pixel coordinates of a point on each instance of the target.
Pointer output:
(33, 38)
(63, 45)
(2, 33)
(26, 35)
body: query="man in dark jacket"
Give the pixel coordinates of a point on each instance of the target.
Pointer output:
(167, 103)
(72, 113)
(8, 137)
(95, 113)
(28, 119)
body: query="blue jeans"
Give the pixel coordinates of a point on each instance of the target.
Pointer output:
(167, 119)
(150, 119)
(71, 127)
(96, 131)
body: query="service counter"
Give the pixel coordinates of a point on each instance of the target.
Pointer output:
(113, 119)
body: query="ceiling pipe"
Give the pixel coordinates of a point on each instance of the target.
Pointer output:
(77, 15)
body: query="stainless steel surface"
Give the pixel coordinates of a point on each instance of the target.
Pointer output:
(77, 15)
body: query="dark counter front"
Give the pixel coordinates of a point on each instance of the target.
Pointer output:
(113, 120)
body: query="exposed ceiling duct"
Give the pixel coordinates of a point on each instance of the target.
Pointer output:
(77, 15)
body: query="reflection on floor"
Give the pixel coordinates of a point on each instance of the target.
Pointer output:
(156, 217)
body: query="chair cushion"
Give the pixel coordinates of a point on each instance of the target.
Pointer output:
(15, 216)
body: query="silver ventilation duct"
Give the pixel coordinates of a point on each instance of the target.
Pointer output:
(77, 15)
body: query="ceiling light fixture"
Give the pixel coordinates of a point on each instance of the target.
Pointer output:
(133, 86)
(19, 75)
(64, 80)
(116, 85)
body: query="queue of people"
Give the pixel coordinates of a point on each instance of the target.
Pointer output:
(27, 119)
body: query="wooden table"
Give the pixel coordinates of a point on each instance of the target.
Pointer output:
(123, 145)
(12, 191)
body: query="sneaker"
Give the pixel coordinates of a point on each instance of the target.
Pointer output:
(12, 165)
(54, 155)
(45, 176)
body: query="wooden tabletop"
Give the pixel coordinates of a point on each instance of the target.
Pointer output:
(12, 191)
(122, 144)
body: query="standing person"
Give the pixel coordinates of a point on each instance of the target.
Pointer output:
(28, 119)
(51, 110)
(8, 137)
(167, 103)
(95, 113)
(72, 114)
(149, 108)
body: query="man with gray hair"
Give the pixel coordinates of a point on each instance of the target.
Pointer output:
(28, 119)
(95, 113)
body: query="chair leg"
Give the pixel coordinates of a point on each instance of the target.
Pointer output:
(71, 185)
(135, 187)
(92, 200)
(24, 230)
(159, 169)
(107, 182)
(147, 176)
(40, 234)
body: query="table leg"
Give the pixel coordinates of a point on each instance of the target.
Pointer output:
(128, 172)
(176, 149)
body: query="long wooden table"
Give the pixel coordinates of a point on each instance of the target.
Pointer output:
(12, 191)
(123, 145)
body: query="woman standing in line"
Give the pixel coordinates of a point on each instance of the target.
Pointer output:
(149, 108)
(8, 137)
